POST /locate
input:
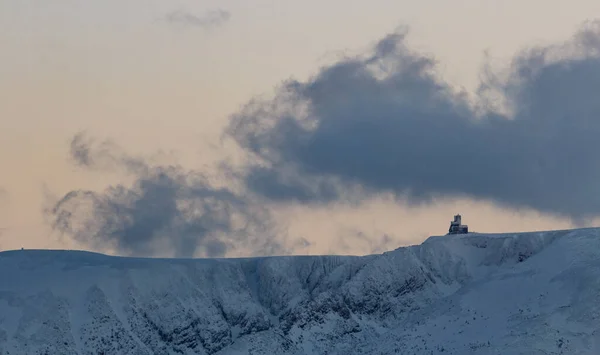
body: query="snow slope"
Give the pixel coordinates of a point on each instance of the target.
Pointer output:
(524, 293)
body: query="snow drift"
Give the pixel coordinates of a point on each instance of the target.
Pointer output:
(523, 293)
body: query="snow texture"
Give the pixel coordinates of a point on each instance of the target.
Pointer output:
(522, 293)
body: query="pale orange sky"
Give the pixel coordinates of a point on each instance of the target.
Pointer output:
(120, 71)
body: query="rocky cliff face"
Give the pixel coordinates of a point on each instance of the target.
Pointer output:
(486, 294)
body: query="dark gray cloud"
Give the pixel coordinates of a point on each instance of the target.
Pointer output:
(208, 20)
(384, 122)
(166, 208)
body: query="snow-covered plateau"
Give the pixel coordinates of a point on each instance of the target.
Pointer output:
(521, 293)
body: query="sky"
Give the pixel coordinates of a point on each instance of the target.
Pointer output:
(234, 128)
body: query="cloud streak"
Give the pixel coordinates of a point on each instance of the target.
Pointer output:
(208, 20)
(384, 122)
(167, 208)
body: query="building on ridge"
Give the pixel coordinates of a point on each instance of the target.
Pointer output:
(456, 227)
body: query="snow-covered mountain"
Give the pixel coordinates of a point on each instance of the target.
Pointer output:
(525, 293)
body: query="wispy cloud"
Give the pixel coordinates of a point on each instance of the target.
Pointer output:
(384, 122)
(167, 210)
(208, 20)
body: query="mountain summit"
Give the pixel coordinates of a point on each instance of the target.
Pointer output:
(521, 293)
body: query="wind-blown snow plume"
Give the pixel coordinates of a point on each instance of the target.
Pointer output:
(167, 209)
(386, 123)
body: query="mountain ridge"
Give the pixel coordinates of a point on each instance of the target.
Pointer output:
(472, 293)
